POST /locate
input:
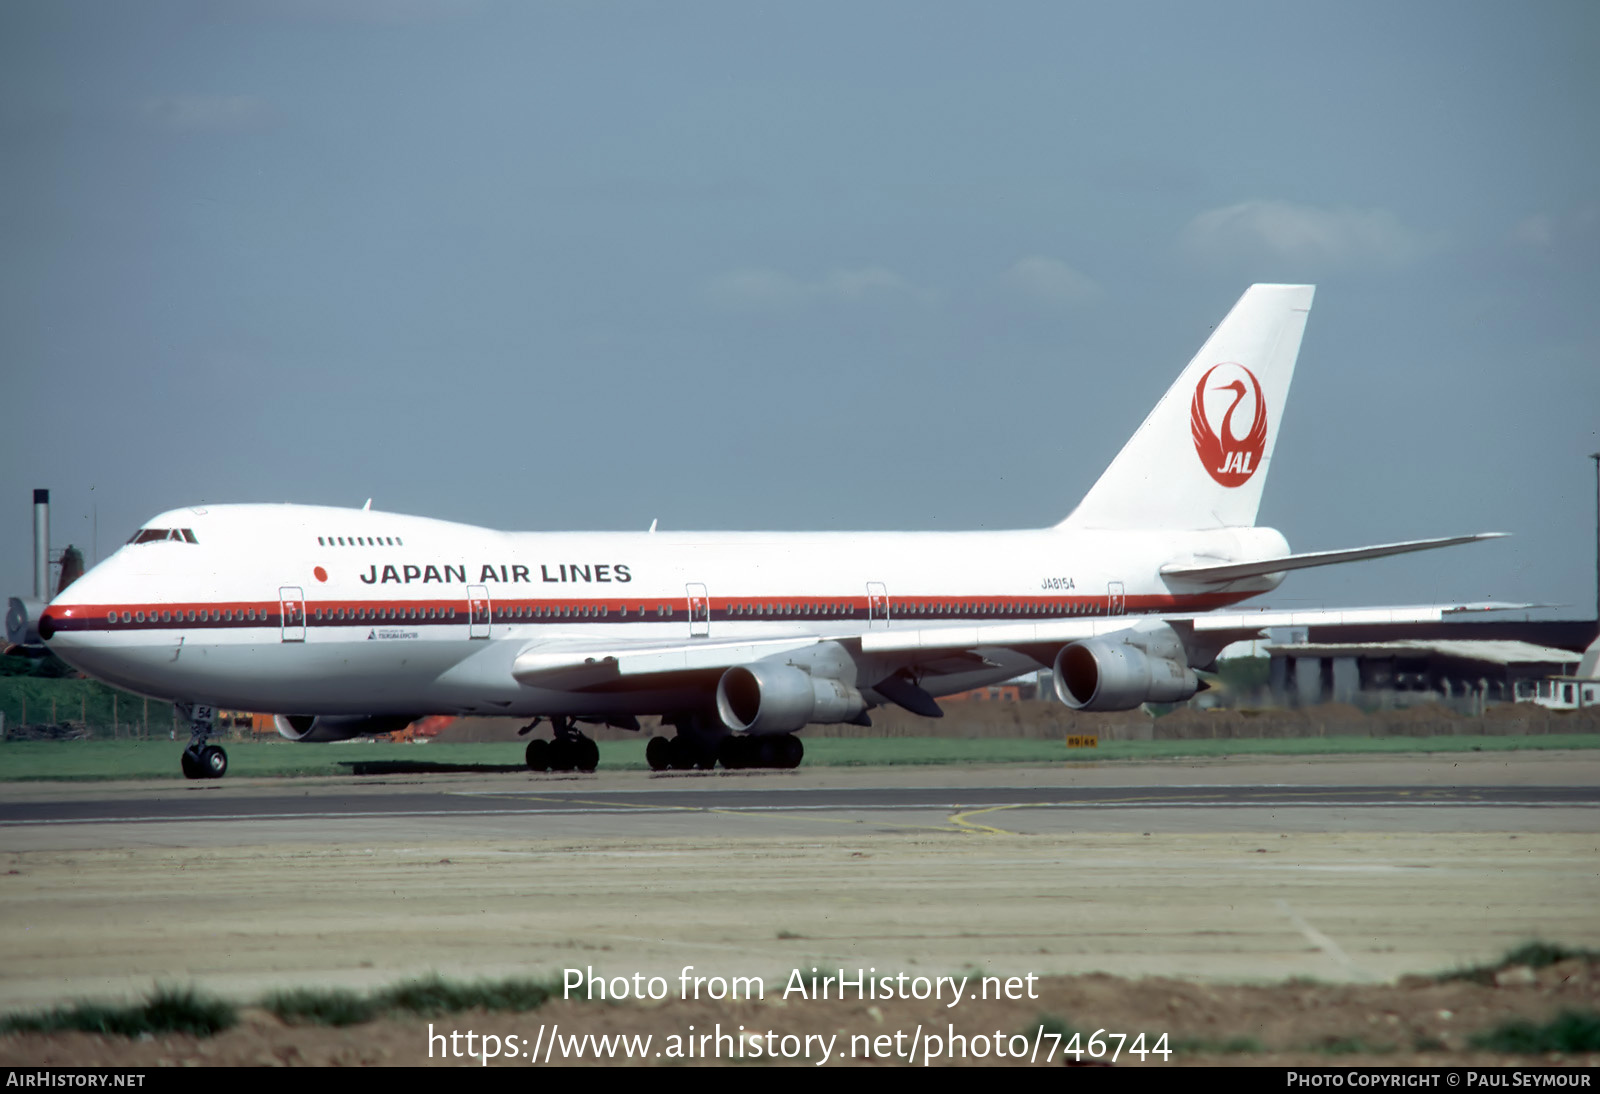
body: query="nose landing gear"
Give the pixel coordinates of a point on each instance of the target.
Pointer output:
(200, 760)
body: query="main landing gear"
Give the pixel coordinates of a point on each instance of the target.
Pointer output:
(200, 760)
(571, 750)
(736, 753)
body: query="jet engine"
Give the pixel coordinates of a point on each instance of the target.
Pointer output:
(1119, 673)
(763, 698)
(318, 729)
(22, 621)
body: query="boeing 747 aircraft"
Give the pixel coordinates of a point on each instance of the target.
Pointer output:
(348, 622)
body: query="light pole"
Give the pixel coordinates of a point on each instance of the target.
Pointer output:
(1595, 456)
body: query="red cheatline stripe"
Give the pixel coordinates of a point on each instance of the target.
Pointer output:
(325, 613)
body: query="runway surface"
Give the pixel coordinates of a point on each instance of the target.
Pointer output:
(1334, 868)
(543, 801)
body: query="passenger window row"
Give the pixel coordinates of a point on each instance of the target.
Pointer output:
(903, 608)
(339, 614)
(586, 611)
(360, 541)
(213, 615)
(768, 611)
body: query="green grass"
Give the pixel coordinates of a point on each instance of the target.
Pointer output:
(185, 1010)
(1203, 1046)
(310, 1007)
(427, 997)
(158, 759)
(168, 1010)
(435, 995)
(1352, 1046)
(1574, 1031)
(1051, 1024)
(1535, 955)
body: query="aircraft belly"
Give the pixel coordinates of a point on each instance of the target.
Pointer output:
(350, 677)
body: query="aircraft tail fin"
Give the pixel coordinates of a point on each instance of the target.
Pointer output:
(1201, 457)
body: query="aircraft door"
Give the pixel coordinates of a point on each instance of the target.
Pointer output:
(478, 609)
(699, 611)
(877, 606)
(292, 613)
(1116, 600)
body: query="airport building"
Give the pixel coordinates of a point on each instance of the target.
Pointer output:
(1466, 675)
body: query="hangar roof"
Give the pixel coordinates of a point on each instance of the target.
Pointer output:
(1493, 652)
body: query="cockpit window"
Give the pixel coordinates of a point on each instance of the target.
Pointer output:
(156, 535)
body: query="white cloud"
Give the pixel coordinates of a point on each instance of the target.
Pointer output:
(757, 289)
(863, 283)
(1543, 231)
(1050, 281)
(206, 113)
(1302, 233)
(1534, 231)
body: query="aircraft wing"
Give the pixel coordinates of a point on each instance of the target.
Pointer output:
(583, 664)
(1236, 624)
(586, 664)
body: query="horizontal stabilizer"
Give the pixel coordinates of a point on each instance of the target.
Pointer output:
(1232, 571)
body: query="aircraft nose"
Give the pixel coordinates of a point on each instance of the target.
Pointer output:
(74, 605)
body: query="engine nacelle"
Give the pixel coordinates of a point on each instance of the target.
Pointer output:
(1100, 674)
(317, 729)
(22, 621)
(762, 698)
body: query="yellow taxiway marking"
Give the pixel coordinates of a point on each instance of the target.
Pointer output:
(958, 821)
(955, 826)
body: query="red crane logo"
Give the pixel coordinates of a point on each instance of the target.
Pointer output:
(1226, 456)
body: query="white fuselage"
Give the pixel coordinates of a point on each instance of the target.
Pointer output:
(309, 610)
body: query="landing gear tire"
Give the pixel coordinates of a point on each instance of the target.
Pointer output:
(562, 755)
(209, 762)
(688, 754)
(782, 750)
(538, 754)
(213, 762)
(586, 754)
(200, 760)
(658, 753)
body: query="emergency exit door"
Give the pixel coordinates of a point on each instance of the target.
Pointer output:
(877, 606)
(292, 613)
(478, 609)
(699, 611)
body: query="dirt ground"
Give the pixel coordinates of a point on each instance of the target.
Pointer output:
(1418, 1022)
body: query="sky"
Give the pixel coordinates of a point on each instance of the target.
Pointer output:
(563, 265)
